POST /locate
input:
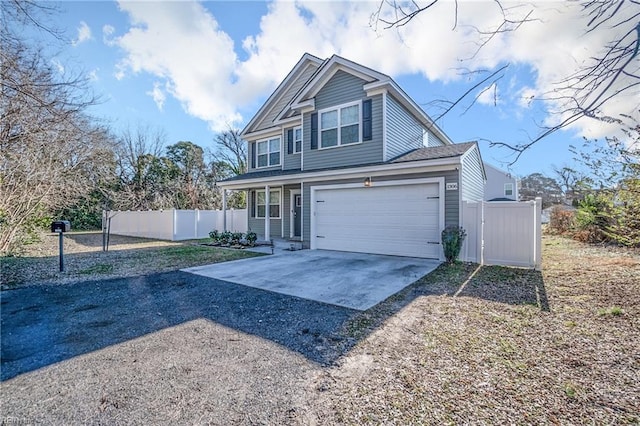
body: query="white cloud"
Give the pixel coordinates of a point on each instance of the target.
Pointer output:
(56, 63)
(158, 95)
(181, 44)
(107, 33)
(84, 34)
(489, 95)
(93, 75)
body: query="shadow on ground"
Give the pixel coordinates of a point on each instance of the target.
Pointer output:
(42, 325)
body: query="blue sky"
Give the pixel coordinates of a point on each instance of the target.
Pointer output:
(194, 68)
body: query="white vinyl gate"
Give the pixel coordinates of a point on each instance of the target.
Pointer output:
(503, 233)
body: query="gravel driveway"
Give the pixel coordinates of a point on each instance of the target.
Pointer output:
(135, 345)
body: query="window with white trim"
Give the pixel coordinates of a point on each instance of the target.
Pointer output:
(297, 140)
(274, 204)
(340, 126)
(508, 190)
(268, 153)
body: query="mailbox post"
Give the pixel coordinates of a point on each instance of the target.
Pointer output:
(61, 226)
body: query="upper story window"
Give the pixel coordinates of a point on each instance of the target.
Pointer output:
(508, 190)
(340, 125)
(268, 152)
(297, 140)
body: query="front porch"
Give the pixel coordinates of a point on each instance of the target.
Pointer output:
(275, 214)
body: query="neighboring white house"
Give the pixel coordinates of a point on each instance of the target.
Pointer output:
(500, 185)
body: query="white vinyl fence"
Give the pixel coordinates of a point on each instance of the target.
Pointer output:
(174, 225)
(502, 233)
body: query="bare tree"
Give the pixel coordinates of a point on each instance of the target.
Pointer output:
(51, 153)
(232, 150)
(582, 94)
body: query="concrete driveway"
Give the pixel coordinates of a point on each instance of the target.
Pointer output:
(352, 280)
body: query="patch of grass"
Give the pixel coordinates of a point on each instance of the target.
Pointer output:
(612, 311)
(359, 325)
(570, 391)
(100, 268)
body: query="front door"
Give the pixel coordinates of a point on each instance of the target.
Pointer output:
(297, 215)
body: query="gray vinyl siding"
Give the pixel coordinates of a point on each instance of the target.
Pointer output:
(340, 89)
(451, 198)
(431, 140)
(404, 132)
(257, 224)
(291, 161)
(472, 177)
(286, 98)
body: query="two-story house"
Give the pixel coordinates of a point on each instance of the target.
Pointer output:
(340, 158)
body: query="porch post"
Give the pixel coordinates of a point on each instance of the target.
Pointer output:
(267, 222)
(224, 209)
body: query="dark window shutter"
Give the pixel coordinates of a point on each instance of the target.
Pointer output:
(366, 120)
(252, 154)
(290, 141)
(314, 130)
(252, 204)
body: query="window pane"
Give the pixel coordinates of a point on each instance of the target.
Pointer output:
(274, 158)
(349, 115)
(329, 120)
(262, 147)
(329, 138)
(260, 198)
(297, 134)
(274, 145)
(274, 211)
(261, 210)
(274, 197)
(262, 160)
(350, 134)
(298, 146)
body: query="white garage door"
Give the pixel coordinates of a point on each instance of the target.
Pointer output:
(401, 220)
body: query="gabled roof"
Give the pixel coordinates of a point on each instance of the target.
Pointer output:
(328, 70)
(294, 74)
(376, 82)
(435, 152)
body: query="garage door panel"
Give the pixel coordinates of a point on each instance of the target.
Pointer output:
(397, 220)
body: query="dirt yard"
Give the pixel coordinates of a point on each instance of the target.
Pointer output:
(506, 346)
(85, 259)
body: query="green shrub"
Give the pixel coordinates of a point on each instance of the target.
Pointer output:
(251, 238)
(236, 237)
(452, 239)
(215, 235)
(225, 237)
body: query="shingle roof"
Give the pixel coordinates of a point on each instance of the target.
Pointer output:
(262, 174)
(420, 154)
(434, 152)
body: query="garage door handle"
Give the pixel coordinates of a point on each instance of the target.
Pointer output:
(319, 236)
(433, 242)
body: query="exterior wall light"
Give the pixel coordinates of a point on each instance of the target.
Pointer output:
(367, 182)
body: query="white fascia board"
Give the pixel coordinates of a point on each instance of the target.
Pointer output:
(280, 90)
(424, 166)
(306, 105)
(288, 122)
(335, 64)
(264, 133)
